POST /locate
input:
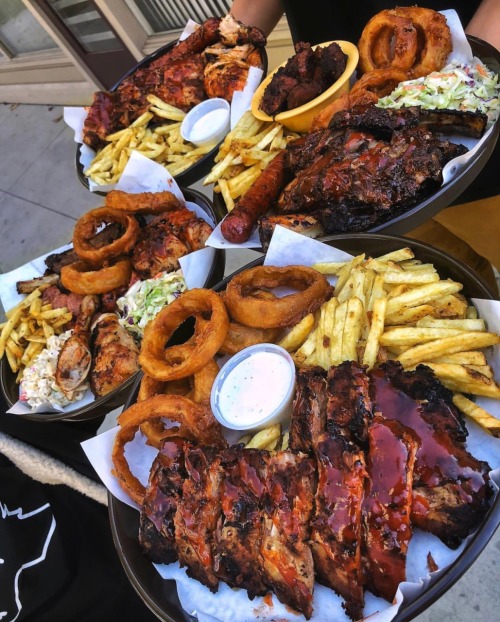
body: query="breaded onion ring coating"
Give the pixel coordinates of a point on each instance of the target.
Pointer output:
(143, 202)
(174, 362)
(197, 388)
(376, 84)
(240, 336)
(388, 40)
(247, 308)
(432, 28)
(81, 278)
(89, 224)
(196, 422)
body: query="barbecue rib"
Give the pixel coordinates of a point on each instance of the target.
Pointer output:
(309, 409)
(156, 522)
(386, 506)
(287, 558)
(336, 529)
(198, 511)
(451, 487)
(238, 537)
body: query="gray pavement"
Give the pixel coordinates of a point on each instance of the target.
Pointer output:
(40, 200)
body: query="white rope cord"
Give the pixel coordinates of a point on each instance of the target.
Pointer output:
(43, 468)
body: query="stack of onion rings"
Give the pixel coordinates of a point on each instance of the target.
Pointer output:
(414, 39)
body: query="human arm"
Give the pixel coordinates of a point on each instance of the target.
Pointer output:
(264, 14)
(485, 23)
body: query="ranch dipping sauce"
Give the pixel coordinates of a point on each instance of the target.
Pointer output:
(207, 124)
(255, 388)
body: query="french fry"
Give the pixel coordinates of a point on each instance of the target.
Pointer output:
(297, 334)
(401, 254)
(465, 324)
(447, 345)
(264, 437)
(352, 329)
(376, 329)
(423, 294)
(479, 415)
(472, 357)
(411, 335)
(408, 315)
(226, 194)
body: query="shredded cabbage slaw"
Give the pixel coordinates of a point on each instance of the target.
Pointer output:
(458, 86)
(146, 298)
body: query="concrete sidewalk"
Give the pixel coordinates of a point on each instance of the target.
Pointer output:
(40, 200)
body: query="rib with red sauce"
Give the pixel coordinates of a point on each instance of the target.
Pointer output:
(287, 559)
(238, 537)
(387, 505)
(336, 530)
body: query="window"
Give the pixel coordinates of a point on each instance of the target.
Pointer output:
(19, 30)
(164, 15)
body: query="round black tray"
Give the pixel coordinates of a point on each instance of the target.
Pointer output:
(104, 405)
(199, 169)
(446, 195)
(161, 596)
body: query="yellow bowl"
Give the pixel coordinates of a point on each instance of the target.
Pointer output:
(300, 119)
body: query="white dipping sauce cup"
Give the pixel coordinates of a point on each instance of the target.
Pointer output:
(207, 123)
(255, 388)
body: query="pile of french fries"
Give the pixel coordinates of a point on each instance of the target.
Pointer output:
(28, 326)
(162, 143)
(244, 154)
(270, 438)
(395, 307)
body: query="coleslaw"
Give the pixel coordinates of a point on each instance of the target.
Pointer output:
(458, 86)
(38, 385)
(146, 298)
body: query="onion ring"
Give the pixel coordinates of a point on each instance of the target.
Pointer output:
(174, 362)
(240, 336)
(81, 278)
(392, 38)
(376, 84)
(248, 309)
(196, 422)
(143, 202)
(432, 28)
(197, 387)
(88, 225)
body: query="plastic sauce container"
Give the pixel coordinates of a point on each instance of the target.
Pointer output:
(207, 123)
(255, 388)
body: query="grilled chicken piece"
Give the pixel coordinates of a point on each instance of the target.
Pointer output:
(307, 224)
(349, 408)
(195, 233)
(238, 537)
(75, 358)
(226, 69)
(336, 529)
(451, 489)
(156, 523)
(115, 356)
(309, 409)
(198, 512)
(233, 32)
(287, 559)
(387, 505)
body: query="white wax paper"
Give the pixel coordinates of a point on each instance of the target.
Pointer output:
(232, 605)
(461, 52)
